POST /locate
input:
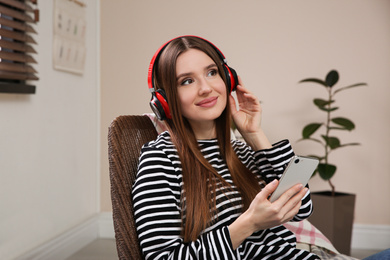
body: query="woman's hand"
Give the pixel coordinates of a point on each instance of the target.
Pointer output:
(266, 214)
(262, 214)
(247, 117)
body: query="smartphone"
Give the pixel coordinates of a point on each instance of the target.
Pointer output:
(298, 170)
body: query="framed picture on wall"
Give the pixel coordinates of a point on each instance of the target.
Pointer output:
(69, 36)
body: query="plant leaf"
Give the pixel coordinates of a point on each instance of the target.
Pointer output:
(352, 86)
(314, 80)
(344, 122)
(310, 129)
(328, 109)
(337, 128)
(332, 142)
(349, 144)
(332, 78)
(326, 171)
(321, 102)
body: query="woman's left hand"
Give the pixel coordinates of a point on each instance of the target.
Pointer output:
(248, 117)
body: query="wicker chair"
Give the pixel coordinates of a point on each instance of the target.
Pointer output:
(126, 135)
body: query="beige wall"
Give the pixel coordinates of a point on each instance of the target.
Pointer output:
(49, 146)
(273, 45)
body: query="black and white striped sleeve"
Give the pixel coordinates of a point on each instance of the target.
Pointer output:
(157, 210)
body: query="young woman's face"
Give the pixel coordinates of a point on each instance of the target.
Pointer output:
(202, 92)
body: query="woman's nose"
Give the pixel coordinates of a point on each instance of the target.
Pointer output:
(204, 87)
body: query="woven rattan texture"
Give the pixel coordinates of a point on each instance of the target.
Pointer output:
(126, 135)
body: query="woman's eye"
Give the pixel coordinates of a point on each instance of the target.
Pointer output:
(186, 82)
(212, 73)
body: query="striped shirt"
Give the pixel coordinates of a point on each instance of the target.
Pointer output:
(157, 205)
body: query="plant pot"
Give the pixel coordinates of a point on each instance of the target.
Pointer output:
(333, 216)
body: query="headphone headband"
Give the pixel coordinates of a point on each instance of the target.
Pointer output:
(156, 56)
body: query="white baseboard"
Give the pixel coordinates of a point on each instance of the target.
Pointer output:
(101, 226)
(371, 236)
(66, 244)
(106, 225)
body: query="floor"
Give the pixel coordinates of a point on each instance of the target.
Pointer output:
(104, 249)
(100, 249)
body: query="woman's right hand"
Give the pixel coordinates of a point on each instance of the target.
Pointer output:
(265, 214)
(262, 214)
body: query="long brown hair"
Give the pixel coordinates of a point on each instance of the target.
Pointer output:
(198, 199)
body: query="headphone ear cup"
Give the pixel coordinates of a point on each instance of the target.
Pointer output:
(235, 77)
(231, 78)
(159, 105)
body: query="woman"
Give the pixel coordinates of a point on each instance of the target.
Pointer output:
(198, 194)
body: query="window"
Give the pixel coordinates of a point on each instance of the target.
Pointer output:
(16, 60)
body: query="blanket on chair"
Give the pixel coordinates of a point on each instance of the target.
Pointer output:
(306, 233)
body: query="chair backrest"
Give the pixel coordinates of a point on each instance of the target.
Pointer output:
(126, 135)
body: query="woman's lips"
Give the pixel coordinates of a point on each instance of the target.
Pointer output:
(208, 102)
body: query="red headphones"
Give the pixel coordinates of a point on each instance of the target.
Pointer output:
(159, 103)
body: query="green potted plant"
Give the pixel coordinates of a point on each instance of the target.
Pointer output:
(333, 211)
